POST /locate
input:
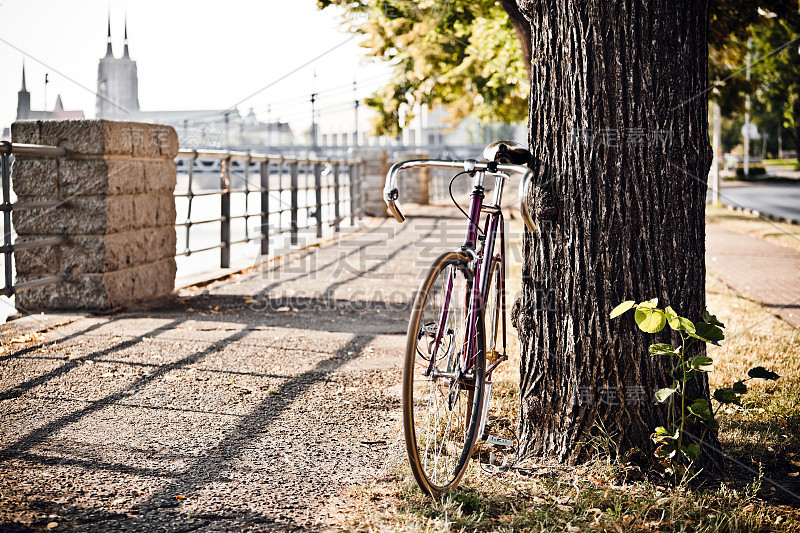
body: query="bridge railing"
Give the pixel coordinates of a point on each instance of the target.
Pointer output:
(10, 243)
(283, 195)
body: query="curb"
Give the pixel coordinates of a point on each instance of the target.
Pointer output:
(759, 214)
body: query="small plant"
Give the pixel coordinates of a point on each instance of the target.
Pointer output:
(675, 449)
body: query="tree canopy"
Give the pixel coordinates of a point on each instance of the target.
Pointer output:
(777, 71)
(731, 24)
(473, 56)
(464, 55)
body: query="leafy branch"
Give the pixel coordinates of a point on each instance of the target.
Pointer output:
(675, 450)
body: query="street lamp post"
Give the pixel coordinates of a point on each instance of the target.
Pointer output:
(747, 117)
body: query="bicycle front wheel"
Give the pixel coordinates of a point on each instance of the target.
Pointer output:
(443, 376)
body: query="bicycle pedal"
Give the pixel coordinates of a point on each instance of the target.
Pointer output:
(493, 440)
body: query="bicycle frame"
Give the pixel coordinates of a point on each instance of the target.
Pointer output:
(483, 258)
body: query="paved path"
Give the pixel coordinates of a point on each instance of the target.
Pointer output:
(761, 271)
(250, 404)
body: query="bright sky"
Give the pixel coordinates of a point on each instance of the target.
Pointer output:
(197, 54)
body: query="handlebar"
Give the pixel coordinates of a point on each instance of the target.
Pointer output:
(391, 194)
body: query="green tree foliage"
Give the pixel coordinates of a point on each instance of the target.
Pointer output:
(777, 70)
(732, 23)
(729, 28)
(463, 55)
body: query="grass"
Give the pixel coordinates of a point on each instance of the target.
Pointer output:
(789, 164)
(762, 440)
(779, 233)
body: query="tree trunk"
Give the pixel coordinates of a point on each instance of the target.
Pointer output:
(619, 135)
(521, 28)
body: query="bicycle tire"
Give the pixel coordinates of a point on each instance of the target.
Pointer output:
(439, 455)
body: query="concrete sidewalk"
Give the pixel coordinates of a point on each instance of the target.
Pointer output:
(761, 271)
(249, 404)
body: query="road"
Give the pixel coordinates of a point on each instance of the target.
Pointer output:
(776, 199)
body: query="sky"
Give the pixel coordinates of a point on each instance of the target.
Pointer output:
(190, 55)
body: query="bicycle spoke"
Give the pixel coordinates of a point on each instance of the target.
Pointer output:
(439, 399)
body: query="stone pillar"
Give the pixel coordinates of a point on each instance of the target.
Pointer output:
(414, 183)
(118, 213)
(374, 178)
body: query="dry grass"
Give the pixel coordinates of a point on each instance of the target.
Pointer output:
(608, 496)
(775, 232)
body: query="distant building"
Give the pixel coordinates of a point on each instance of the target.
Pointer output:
(24, 111)
(118, 99)
(117, 83)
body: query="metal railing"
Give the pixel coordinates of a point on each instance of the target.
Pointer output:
(294, 194)
(7, 152)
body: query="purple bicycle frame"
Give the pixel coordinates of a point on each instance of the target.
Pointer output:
(481, 277)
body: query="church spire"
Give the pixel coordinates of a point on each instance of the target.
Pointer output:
(125, 53)
(109, 51)
(24, 89)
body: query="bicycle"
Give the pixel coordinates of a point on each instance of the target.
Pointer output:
(446, 382)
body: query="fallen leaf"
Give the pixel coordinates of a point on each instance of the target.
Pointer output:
(564, 508)
(795, 463)
(51, 525)
(794, 474)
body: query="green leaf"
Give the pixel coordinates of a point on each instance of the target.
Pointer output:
(701, 409)
(649, 303)
(763, 373)
(662, 349)
(691, 451)
(739, 387)
(712, 425)
(667, 449)
(663, 394)
(707, 333)
(678, 323)
(702, 363)
(662, 435)
(682, 375)
(650, 319)
(708, 318)
(621, 308)
(725, 395)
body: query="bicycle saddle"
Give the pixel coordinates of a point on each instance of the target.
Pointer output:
(507, 152)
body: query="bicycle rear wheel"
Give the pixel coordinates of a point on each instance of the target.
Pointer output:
(441, 401)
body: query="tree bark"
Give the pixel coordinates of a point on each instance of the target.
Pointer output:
(522, 29)
(619, 136)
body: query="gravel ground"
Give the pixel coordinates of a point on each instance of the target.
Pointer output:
(250, 404)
